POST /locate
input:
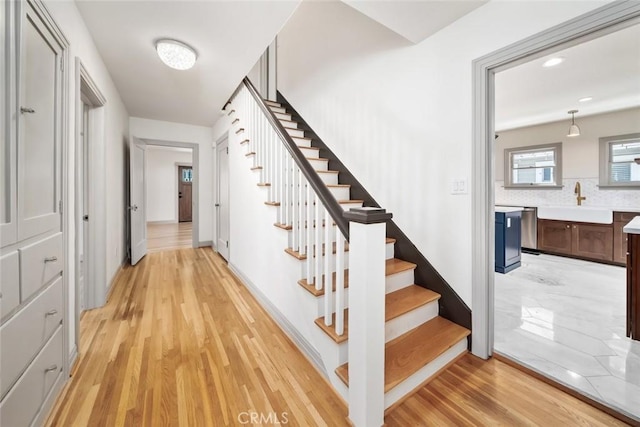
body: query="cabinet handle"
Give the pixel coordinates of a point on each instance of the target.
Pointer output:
(51, 259)
(575, 226)
(51, 369)
(51, 313)
(25, 110)
(568, 226)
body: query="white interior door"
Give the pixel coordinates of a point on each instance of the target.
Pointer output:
(223, 199)
(138, 215)
(83, 204)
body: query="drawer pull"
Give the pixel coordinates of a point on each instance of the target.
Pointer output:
(51, 259)
(51, 313)
(25, 110)
(51, 369)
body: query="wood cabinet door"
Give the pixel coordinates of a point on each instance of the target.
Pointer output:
(40, 128)
(593, 241)
(619, 243)
(554, 236)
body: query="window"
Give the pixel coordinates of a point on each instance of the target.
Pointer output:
(620, 161)
(187, 175)
(534, 166)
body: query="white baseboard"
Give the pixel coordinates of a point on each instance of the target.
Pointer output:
(205, 243)
(301, 342)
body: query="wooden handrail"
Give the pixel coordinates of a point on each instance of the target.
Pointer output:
(322, 191)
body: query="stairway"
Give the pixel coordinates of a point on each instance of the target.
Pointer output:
(419, 343)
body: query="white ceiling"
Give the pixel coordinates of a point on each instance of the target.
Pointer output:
(415, 20)
(605, 68)
(229, 37)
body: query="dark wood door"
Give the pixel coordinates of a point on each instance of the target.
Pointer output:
(633, 286)
(593, 241)
(185, 181)
(554, 236)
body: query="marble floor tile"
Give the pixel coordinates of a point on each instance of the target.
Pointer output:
(566, 319)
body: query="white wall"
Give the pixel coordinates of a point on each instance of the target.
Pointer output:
(162, 182)
(69, 20)
(180, 132)
(580, 160)
(400, 116)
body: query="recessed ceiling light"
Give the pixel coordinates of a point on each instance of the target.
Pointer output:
(552, 62)
(175, 54)
(585, 99)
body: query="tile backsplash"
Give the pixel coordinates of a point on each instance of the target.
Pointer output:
(614, 198)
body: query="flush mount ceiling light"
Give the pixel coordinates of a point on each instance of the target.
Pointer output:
(585, 99)
(552, 62)
(574, 130)
(175, 54)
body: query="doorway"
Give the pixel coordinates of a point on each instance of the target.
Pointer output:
(606, 20)
(164, 199)
(222, 204)
(90, 221)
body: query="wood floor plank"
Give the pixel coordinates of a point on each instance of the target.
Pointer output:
(182, 343)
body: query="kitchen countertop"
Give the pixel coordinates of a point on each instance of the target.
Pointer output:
(508, 209)
(633, 227)
(615, 209)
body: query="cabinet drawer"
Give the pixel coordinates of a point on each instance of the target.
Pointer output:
(25, 333)
(39, 263)
(624, 216)
(21, 405)
(9, 283)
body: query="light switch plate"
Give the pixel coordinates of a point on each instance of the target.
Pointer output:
(459, 186)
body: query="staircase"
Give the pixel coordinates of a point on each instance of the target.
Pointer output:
(418, 342)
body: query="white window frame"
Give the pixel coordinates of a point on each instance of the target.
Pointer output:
(605, 160)
(508, 165)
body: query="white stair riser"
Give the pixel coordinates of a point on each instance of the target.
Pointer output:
(426, 372)
(320, 311)
(411, 320)
(302, 142)
(341, 193)
(329, 178)
(398, 281)
(282, 116)
(295, 132)
(288, 124)
(278, 109)
(309, 152)
(319, 165)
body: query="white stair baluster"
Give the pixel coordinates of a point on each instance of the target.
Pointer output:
(339, 282)
(328, 256)
(294, 207)
(310, 234)
(317, 224)
(302, 193)
(283, 180)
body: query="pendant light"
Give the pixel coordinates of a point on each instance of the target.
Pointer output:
(574, 130)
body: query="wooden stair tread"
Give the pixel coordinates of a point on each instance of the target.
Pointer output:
(311, 288)
(339, 185)
(407, 299)
(304, 138)
(411, 351)
(246, 141)
(297, 255)
(317, 158)
(264, 184)
(231, 112)
(395, 265)
(283, 121)
(272, 103)
(255, 168)
(253, 153)
(395, 304)
(331, 172)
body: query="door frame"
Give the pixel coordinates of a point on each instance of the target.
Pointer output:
(224, 139)
(195, 189)
(606, 19)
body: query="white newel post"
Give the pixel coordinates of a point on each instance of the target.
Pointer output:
(367, 233)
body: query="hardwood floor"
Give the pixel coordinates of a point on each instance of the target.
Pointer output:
(162, 237)
(182, 343)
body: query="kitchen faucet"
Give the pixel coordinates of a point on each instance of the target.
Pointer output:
(578, 192)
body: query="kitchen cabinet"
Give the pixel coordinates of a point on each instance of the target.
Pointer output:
(620, 219)
(578, 239)
(508, 241)
(633, 279)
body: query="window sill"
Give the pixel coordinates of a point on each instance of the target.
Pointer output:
(619, 186)
(533, 187)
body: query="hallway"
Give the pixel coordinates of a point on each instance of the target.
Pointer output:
(182, 343)
(163, 237)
